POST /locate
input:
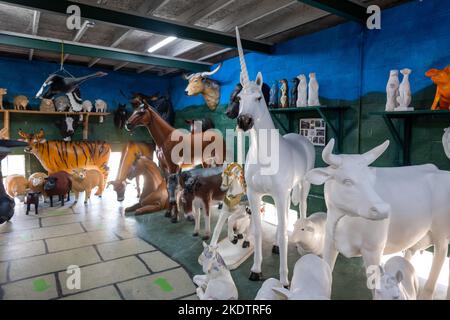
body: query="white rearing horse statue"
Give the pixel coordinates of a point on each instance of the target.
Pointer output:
(292, 155)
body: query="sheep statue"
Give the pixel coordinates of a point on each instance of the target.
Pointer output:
(309, 234)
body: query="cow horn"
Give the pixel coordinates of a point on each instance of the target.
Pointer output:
(328, 156)
(211, 73)
(244, 72)
(374, 154)
(188, 77)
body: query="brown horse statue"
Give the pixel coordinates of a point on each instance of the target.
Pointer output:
(154, 196)
(129, 153)
(171, 141)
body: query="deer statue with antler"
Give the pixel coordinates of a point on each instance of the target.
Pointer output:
(200, 83)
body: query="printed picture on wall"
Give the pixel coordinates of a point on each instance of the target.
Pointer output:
(315, 130)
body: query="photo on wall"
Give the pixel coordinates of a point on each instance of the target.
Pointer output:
(315, 130)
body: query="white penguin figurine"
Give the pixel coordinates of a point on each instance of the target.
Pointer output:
(313, 91)
(392, 91)
(404, 99)
(302, 100)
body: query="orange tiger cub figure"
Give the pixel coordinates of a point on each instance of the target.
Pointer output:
(57, 156)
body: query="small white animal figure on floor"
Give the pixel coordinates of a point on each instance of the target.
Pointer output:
(302, 100)
(446, 142)
(392, 91)
(311, 280)
(404, 99)
(313, 91)
(398, 281)
(216, 283)
(309, 234)
(267, 293)
(100, 106)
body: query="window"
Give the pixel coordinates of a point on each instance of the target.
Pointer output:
(13, 164)
(114, 164)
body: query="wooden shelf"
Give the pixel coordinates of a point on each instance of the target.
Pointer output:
(403, 139)
(323, 112)
(86, 115)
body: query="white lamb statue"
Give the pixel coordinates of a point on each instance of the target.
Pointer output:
(309, 234)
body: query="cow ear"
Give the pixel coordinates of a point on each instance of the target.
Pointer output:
(432, 72)
(282, 292)
(259, 80)
(399, 276)
(319, 176)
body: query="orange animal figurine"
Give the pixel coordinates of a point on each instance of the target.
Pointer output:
(442, 79)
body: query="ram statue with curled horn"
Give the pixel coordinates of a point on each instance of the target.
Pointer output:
(200, 83)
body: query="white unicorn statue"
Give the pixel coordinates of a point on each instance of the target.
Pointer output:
(217, 282)
(279, 174)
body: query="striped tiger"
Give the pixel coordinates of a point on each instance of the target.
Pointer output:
(57, 156)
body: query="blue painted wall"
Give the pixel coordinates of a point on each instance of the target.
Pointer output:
(24, 77)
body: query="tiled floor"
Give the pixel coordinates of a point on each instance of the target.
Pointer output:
(114, 263)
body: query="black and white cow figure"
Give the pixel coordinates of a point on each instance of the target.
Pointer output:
(67, 128)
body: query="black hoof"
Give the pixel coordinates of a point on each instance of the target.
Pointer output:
(220, 206)
(256, 276)
(240, 236)
(246, 244)
(276, 250)
(195, 235)
(235, 241)
(168, 214)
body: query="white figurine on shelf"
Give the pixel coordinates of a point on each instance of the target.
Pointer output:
(87, 106)
(404, 99)
(398, 281)
(392, 90)
(100, 106)
(311, 280)
(302, 100)
(446, 142)
(309, 234)
(313, 91)
(217, 282)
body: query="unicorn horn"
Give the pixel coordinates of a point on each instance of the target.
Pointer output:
(244, 72)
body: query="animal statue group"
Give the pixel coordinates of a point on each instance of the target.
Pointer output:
(200, 83)
(217, 282)
(56, 156)
(284, 174)
(7, 204)
(442, 80)
(154, 195)
(3, 92)
(367, 216)
(127, 159)
(175, 147)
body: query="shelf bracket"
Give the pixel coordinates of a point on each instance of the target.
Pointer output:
(397, 138)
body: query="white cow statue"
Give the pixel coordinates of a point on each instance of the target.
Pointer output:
(398, 281)
(313, 91)
(275, 165)
(392, 90)
(368, 216)
(309, 234)
(311, 280)
(302, 99)
(217, 282)
(266, 291)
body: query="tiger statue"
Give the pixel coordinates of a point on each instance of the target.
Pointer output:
(56, 156)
